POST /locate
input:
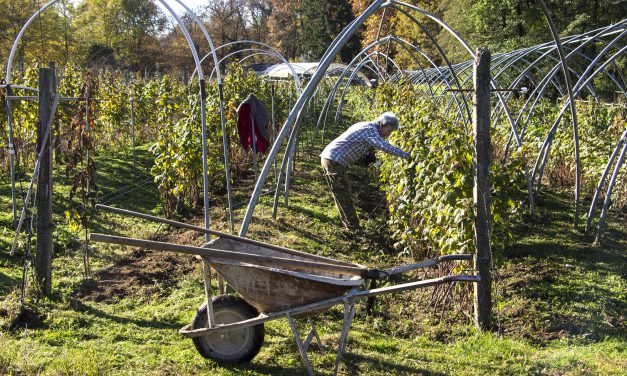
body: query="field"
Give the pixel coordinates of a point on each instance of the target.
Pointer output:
(561, 302)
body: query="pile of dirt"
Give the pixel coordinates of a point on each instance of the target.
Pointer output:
(142, 272)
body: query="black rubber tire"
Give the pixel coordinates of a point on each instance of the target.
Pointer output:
(235, 346)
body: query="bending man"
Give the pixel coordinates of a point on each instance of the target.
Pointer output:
(357, 141)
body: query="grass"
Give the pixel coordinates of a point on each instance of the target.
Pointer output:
(562, 301)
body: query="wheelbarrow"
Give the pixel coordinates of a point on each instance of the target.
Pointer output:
(273, 282)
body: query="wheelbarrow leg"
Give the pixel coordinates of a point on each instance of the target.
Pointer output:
(206, 275)
(221, 285)
(371, 300)
(349, 314)
(301, 348)
(312, 333)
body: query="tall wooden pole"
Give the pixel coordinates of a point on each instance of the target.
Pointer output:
(56, 148)
(133, 130)
(481, 126)
(43, 256)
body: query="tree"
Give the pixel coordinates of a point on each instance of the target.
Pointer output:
(504, 25)
(284, 27)
(321, 22)
(141, 23)
(49, 37)
(130, 27)
(259, 12)
(226, 22)
(340, 15)
(315, 29)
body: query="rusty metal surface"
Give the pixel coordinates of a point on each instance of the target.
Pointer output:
(272, 289)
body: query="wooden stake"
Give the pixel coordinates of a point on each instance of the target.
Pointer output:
(43, 256)
(481, 125)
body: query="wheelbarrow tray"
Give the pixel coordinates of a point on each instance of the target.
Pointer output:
(272, 289)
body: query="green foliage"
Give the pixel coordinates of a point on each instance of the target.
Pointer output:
(24, 122)
(170, 168)
(113, 106)
(130, 28)
(600, 126)
(178, 149)
(431, 195)
(49, 38)
(321, 22)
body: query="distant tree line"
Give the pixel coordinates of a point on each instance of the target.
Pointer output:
(136, 35)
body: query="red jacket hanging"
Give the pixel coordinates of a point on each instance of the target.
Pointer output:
(253, 111)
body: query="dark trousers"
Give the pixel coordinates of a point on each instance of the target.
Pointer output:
(337, 178)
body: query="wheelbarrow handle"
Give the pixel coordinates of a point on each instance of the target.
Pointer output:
(268, 261)
(223, 235)
(383, 274)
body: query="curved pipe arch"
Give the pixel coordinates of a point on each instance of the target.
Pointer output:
(573, 110)
(405, 44)
(357, 68)
(331, 51)
(578, 87)
(269, 48)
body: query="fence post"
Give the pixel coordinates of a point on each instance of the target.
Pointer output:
(56, 149)
(43, 257)
(481, 194)
(133, 130)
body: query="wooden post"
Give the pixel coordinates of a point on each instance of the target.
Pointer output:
(481, 126)
(133, 131)
(57, 129)
(43, 257)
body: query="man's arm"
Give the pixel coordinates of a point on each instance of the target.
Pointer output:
(375, 140)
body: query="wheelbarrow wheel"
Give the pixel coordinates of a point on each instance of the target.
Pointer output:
(234, 346)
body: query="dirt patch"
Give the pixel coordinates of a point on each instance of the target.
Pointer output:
(27, 319)
(143, 272)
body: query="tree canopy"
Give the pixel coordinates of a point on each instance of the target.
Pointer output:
(136, 34)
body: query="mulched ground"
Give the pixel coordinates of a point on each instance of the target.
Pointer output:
(142, 271)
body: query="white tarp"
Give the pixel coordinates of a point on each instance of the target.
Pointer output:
(283, 71)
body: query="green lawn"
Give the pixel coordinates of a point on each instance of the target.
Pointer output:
(561, 302)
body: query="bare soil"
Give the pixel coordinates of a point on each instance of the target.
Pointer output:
(142, 272)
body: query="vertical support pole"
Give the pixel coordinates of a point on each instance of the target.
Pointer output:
(133, 130)
(273, 125)
(206, 275)
(254, 140)
(57, 137)
(11, 152)
(227, 169)
(481, 125)
(88, 188)
(205, 177)
(43, 258)
(608, 194)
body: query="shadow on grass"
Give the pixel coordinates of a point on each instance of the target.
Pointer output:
(266, 369)
(589, 258)
(79, 306)
(312, 214)
(348, 366)
(117, 182)
(565, 285)
(381, 367)
(7, 284)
